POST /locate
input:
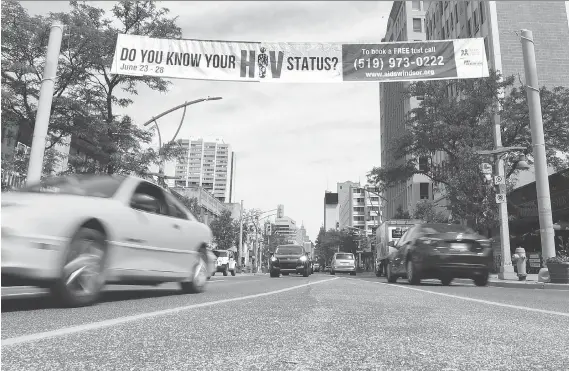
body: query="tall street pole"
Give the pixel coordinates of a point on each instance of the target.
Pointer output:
(241, 253)
(35, 165)
(538, 143)
(506, 268)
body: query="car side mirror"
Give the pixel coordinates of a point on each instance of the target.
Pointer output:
(144, 202)
(391, 243)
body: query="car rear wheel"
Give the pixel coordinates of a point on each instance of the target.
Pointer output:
(82, 276)
(412, 274)
(332, 273)
(446, 281)
(274, 274)
(352, 273)
(481, 280)
(391, 278)
(225, 271)
(197, 282)
(306, 272)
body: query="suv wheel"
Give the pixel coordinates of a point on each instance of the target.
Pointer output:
(225, 270)
(391, 278)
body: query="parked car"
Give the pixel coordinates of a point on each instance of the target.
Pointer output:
(225, 262)
(316, 267)
(289, 259)
(441, 251)
(343, 263)
(74, 234)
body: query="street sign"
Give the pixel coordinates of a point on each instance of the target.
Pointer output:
(486, 168)
(499, 179)
(500, 198)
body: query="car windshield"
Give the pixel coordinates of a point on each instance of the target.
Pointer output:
(88, 185)
(445, 228)
(344, 257)
(289, 250)
(220, 254)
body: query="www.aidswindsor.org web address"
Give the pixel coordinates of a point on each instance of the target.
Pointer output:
(401, 73)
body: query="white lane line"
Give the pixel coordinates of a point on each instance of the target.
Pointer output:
(110, 289)
(117, 321)
(488, 302)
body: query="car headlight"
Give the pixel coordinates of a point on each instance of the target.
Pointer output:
(303, 258)
(273, 259)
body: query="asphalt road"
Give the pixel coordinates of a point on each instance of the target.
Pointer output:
(292, 323)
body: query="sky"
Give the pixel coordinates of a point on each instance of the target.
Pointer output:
(292, 141)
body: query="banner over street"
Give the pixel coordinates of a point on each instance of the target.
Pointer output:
(291, 62)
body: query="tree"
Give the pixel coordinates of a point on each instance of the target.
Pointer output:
(86, 94)
(331, 241)
(223, 229)
(456, 128)
(192, 204)
(427, 211)
(400, 214)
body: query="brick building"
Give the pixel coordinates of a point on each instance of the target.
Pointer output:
(499, 23)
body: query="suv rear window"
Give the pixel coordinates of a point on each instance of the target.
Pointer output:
(345, 256)
(220, 254)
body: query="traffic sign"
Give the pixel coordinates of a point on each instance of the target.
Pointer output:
(486, 168)
(500, 198)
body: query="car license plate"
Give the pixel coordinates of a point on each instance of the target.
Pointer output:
(458, 246)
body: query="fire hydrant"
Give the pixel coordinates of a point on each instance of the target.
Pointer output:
(520, 259)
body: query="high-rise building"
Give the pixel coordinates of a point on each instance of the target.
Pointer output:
(500, 23)
(209, 164)
(331, 211)
(286, 226)
(406, 23)
(358, 207)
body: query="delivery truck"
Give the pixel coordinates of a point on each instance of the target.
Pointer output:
(386, 236)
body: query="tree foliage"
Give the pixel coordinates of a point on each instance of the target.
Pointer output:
(86, 95)
(446, 133)
(224, 230)
(427, 211)
(329, 242)
(400, 214)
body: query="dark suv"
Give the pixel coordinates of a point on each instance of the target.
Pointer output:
(289, 259)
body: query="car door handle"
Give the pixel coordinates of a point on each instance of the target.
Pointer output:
(177, 226)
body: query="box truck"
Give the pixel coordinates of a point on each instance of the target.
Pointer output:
(386, 236)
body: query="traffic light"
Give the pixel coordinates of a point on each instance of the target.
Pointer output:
(269, 229)
(280, 211)
(337, 225)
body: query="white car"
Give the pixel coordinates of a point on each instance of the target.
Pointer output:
(76, 233)
(225, 262)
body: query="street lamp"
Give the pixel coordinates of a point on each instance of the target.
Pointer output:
(154, 120)
(506, 268)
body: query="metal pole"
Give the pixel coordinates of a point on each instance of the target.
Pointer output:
(241, 252)
(538, 143)
(506, 268)
(35, 165)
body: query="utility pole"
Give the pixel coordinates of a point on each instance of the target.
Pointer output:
(241, 253)
(538, 143)
(43, 114)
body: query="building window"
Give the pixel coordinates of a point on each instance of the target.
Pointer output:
(416, 5)
(424, 191)
(417, 25)
(423, 163)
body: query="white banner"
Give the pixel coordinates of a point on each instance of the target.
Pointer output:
(286, 62)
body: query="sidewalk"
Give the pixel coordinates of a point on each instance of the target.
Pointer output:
(530, 282)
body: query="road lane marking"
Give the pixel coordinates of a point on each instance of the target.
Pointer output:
(117, 321)
(109, 289)
(488, 302)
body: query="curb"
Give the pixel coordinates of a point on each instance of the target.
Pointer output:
(520, 285)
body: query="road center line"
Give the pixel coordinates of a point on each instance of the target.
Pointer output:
(117, 321)
(488, 302)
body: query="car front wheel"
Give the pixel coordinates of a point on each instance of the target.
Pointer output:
(481, 280)
(391, 278)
